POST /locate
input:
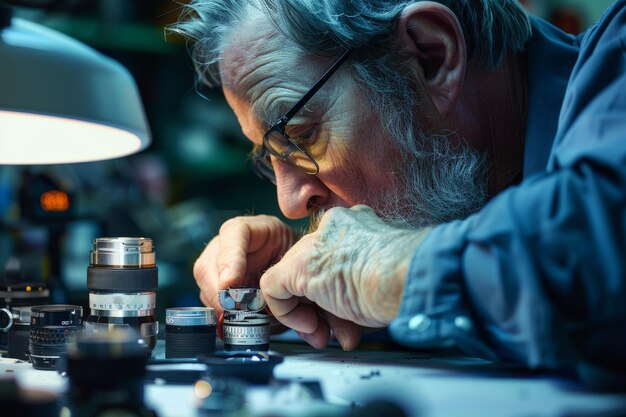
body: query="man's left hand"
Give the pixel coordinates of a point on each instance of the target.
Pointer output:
(349, 273)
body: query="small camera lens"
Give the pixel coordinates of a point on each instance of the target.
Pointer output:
(189, 332)
(122, 279)
(51, 326)
(245, 326)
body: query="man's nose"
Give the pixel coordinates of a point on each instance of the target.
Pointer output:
(298, 192)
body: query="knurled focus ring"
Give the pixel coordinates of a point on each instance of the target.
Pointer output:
(122, 279)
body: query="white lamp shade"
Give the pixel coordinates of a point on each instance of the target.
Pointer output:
(61, 101)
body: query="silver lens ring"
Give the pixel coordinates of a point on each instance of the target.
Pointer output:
(190, 316)
(122, 305)
(122, 252)
(246, 330)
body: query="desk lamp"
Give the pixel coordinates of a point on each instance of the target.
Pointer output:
(61, 101)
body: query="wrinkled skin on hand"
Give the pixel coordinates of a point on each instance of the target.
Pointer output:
(346, 275)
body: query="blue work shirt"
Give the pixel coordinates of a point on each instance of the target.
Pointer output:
(538, 276)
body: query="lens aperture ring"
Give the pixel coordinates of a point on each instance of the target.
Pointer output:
(122, 305)
(243, 331)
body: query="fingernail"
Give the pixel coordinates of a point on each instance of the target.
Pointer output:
(340, 335)
(225, 274)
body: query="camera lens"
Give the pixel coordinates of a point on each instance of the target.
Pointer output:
(19, 333)
(51, 326)
(122, 279)
(189, 332)
(245, 327)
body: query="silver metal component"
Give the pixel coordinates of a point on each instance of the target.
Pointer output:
(242, 299)
(22, 314)
(190, 316)
(135, 252)
(247, 330)
(122, 305)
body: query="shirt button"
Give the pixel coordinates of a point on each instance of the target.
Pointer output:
(463, 323)
(419, 323)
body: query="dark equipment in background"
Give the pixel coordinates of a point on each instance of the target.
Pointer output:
(16, 293)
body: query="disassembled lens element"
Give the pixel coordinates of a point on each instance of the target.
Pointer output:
(189, 332)
(122, 279)
(245, 326)
(51, 327)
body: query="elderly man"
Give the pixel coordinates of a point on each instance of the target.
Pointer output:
(464, 166)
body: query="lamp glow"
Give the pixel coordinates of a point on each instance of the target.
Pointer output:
(38, 139)
(62, 102)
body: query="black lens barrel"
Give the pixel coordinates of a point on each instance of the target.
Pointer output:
(189, 332)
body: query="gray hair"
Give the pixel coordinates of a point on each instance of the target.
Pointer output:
(492, 28)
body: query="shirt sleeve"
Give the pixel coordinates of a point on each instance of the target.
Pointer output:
(538, 276)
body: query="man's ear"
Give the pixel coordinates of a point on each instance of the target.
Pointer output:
(431, 32)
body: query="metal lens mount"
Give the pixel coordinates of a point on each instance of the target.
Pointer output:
(122, 279)
(51, 327)
(189, 332)
(245, 326)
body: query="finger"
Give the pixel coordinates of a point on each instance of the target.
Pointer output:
(232, 259)
(347, 333)
(248, 246)
(292, 313)
(319, 338)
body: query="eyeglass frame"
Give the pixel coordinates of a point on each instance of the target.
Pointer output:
(261, 162)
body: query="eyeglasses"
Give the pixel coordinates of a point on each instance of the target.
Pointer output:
(278, 143)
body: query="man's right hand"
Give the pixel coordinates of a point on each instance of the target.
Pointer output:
(237, 257)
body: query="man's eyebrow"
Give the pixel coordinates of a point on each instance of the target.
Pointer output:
(269, 117)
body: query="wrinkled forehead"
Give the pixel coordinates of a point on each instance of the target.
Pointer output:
(260, 64)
